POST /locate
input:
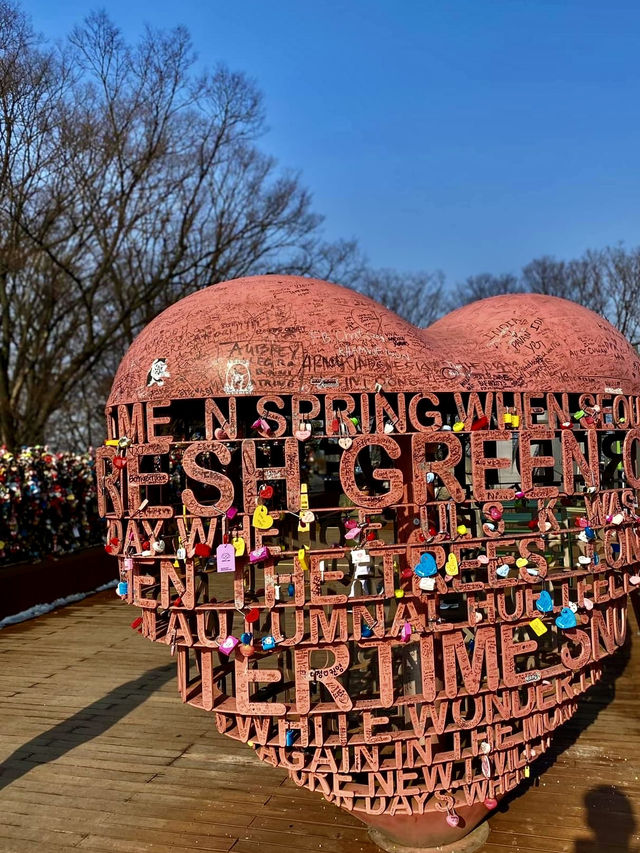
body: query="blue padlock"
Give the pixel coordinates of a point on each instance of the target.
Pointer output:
(290, 737)
(123, 588)
(246, 638)
(268, 643)
(426, 568)
(291, 589)
(366, 631)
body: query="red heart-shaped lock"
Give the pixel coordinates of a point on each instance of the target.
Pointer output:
(266, 492)
(119, 462)
(202, 550)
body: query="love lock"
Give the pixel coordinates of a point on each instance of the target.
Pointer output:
(566, 619)
(261, 518)
(228, 645)
(427, 567)
(304, 431)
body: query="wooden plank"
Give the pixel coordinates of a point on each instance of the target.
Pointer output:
(100, 755)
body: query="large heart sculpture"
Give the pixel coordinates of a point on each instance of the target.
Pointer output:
(461, 569)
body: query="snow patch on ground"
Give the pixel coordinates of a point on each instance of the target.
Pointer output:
(39, 609)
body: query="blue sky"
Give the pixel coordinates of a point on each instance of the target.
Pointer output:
(462, 135)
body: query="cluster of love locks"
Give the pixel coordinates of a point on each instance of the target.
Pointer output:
(48, 504)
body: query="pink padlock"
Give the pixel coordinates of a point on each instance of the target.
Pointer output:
(261, 425)
(453, 819)
(228, 645)
(259, 554)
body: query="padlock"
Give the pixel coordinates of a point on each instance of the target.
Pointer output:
(451, 566)
(304, 496)
(538, 626)
(304, 431)
(228, 645)
(261, 518)
(302, 559)
(259, 554)
(453, 819)
(290, 737)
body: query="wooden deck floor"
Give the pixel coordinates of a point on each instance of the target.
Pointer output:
(99, 754)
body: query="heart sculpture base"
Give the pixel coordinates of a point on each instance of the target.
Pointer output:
(475, 840)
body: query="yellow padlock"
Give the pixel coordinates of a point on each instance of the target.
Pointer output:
(304, 496)
(451, 566)
(239, 545)
(261, 518)
(302, 559)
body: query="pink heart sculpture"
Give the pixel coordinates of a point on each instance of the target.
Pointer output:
(386, 695)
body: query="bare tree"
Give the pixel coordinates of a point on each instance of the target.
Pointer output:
(546, 275)
(127, 181)
(415, 296)
(606, 281)
(481, 287)
(622, 273)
